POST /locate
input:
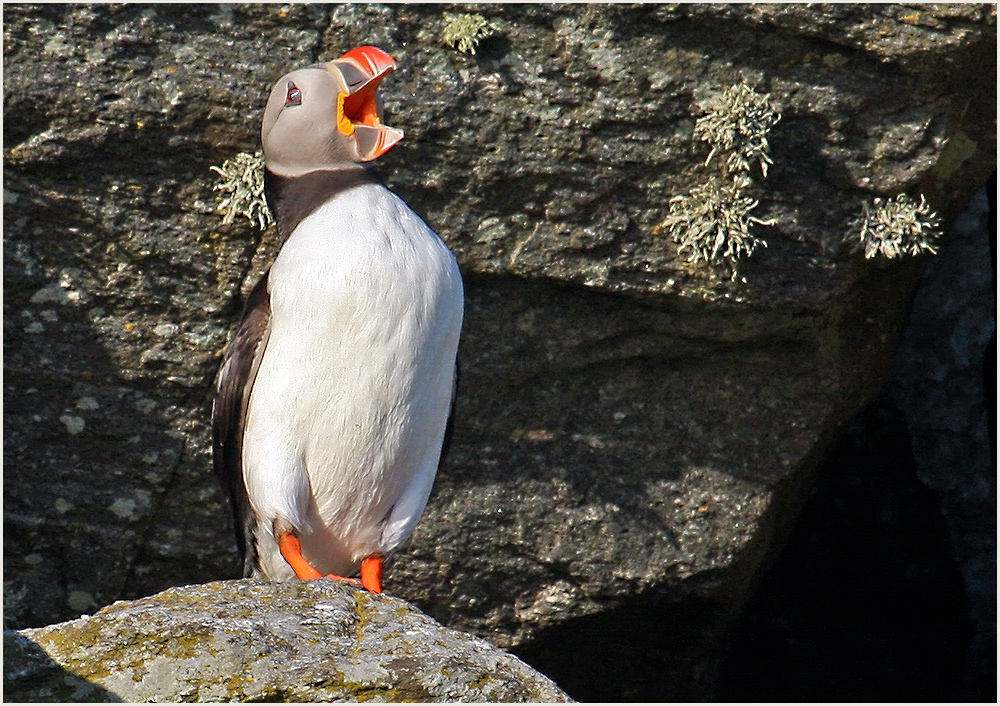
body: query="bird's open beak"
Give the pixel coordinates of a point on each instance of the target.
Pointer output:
(359, 110)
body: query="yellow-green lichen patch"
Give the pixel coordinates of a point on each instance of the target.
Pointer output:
(66, 646)
(364, 610)
(464, 31)
(318, 641)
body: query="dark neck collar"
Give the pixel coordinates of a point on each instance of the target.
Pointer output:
(291, 199)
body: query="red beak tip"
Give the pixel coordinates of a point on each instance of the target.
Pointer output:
(371, 59)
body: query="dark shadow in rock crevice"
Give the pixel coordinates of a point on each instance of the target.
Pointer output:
(648, 649)
(31, 676)
(866, 602)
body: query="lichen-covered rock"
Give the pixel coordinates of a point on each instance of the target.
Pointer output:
(634, 430)
(258, 641)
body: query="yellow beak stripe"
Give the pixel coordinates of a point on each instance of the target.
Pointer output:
(344, 123)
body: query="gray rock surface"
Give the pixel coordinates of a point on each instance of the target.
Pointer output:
(259, 641)
(635, 431)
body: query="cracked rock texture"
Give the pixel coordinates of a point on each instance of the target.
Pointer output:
(634, 433)
(259, 641)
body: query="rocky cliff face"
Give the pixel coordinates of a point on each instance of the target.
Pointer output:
(635, 429)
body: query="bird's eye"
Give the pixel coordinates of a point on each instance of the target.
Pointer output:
(294, 95)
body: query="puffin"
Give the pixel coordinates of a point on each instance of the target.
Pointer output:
(334, 396)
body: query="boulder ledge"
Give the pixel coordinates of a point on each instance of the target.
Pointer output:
(262, 641)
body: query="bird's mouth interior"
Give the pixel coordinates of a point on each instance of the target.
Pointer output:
(361, 71)
(360, 107)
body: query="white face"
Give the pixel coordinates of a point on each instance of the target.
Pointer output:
(300, 129)
(328, 116)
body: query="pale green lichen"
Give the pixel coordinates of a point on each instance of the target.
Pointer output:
(895, 227)
(465, 31)
(713, 222)
(736, 125)
(242, 183)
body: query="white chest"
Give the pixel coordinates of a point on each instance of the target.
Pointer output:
(353, 391)
(361, 268)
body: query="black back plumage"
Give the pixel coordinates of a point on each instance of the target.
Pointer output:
(292, 199)
(229, 413)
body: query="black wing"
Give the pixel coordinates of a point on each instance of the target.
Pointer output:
(229, 411)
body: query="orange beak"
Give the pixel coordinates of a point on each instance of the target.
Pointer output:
(359, 109)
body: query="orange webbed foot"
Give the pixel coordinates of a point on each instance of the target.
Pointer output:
(371, 574)
(291, 549)
(355, 582)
